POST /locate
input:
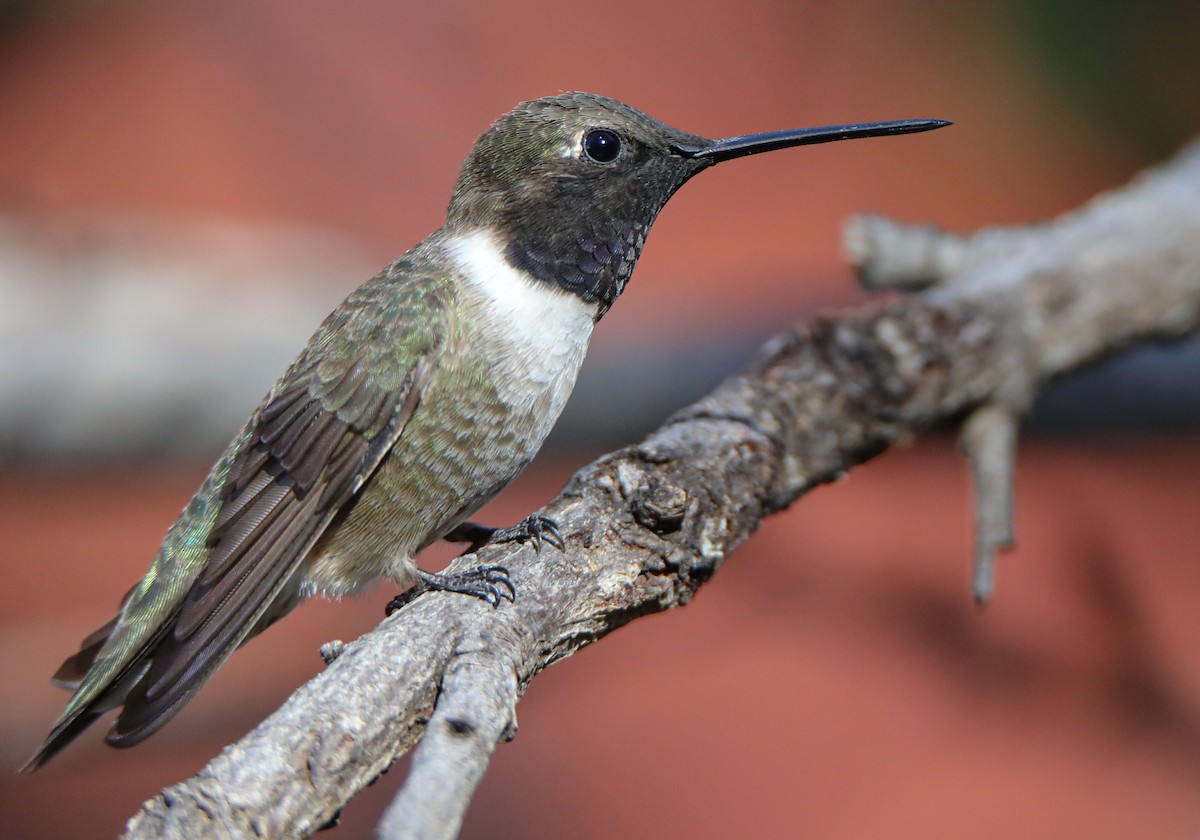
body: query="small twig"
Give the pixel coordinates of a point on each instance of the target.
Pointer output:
(476, 708)
(907, 258)
(989, 438)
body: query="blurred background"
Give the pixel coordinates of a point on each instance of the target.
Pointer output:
(187, 187)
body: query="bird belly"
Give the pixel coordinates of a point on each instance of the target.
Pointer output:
(480, 421)
(419, 493)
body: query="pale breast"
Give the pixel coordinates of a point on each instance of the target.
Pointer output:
(487, 409)
(537, 334)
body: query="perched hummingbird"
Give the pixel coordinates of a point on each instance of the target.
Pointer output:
(417, 400)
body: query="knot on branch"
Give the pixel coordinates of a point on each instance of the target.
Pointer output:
(660, 507)
(331, 650)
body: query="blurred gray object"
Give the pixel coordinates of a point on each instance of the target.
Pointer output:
(130, 338)
(136, 338)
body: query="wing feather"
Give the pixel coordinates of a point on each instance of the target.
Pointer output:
(225, 568)
(260, 544)
(224, 613)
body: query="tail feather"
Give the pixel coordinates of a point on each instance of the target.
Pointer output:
(70, 674)
(114, 658)
(63, 734)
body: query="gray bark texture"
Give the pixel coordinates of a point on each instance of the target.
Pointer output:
(990, 318)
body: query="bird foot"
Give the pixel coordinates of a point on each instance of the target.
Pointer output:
(487, 582)
(534, 528)
(490, 583)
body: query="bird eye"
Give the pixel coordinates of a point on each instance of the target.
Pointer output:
(602, 145)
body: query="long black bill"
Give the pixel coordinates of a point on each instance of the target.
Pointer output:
(752, 144)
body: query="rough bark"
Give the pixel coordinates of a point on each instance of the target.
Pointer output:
(991, 317)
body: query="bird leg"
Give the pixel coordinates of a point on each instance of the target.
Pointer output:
(487, 582)
(534, 528)
(484, 582)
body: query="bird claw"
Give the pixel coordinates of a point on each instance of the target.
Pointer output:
(400, 601)
(488, 583)
(534, 528)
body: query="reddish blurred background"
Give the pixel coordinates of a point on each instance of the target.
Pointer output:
(186, 188)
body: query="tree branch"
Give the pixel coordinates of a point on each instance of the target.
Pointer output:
(1001, 312)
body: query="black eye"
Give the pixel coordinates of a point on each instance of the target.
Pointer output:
(602, 145)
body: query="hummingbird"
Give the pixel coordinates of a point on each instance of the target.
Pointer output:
(417, 400)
